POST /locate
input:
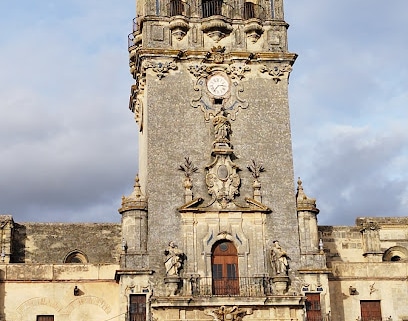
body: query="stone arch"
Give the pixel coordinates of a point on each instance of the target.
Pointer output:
(87, 308)
(395, 254)
(40, 305)
(76, 256)
(240, 243)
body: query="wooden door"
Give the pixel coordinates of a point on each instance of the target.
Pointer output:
(225, 276)
(137, 307)
(313, 309)
(370, 310)
(45, 318)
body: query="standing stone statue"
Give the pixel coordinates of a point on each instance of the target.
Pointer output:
(279, 259)
(174, 260)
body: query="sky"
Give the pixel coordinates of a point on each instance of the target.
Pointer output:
(68, 143)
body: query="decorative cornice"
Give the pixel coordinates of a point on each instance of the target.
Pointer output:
(261, 56)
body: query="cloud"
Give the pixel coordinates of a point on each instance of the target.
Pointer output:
(68, 141)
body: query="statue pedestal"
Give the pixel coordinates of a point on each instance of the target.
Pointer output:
(280, 284)
(173, 284)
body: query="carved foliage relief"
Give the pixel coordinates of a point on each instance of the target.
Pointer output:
(278, 72)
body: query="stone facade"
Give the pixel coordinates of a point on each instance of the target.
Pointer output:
(212, 229)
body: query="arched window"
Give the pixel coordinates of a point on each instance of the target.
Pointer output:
(76, 256)
(224, 262)
(396, 254)
(211, 8)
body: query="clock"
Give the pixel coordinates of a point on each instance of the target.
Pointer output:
(217, 85)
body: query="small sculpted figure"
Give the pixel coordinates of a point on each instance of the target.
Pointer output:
(174, 260)
(279, 259)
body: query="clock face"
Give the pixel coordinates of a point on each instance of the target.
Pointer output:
(217, 85)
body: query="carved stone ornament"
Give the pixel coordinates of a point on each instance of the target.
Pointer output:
(369, 226)
(218, 54)
(216, 28)
(222, 180)
(278, 72)
(160, 68)
(238, 71)
(230, 101)
(179, 27)
(136, 200)
(188, 168)
(224, 313)
(136, 106)
(253, 30)
(256, 170)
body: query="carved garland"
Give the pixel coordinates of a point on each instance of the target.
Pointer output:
(277, 72)
(224, 313)
(160, 68)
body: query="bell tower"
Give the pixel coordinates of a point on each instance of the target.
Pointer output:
(214, 203)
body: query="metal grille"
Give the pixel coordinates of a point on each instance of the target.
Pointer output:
(212, 8)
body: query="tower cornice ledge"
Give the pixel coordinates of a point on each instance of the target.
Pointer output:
(187, 54)
(275, 300)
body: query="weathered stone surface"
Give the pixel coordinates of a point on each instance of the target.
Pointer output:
(52, 242)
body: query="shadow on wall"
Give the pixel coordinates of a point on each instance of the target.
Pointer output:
(19, 240)
(2, 295)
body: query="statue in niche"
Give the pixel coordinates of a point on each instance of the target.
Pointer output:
(174, 260)
(222, 129)
(279, 259)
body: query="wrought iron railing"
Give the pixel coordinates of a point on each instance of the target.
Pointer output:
(131, 39)
(374, 318)
(136, 24)
(242, 286)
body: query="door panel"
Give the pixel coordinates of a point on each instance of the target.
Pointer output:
(370, 310)
(225, 269)
(313, 309)
(137, 307)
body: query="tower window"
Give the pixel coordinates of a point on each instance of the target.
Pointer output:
(76, 257)
(176, 8)
(396, 254)
(211, 8)
(249, 10)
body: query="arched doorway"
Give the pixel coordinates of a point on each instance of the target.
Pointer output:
(224, 262)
